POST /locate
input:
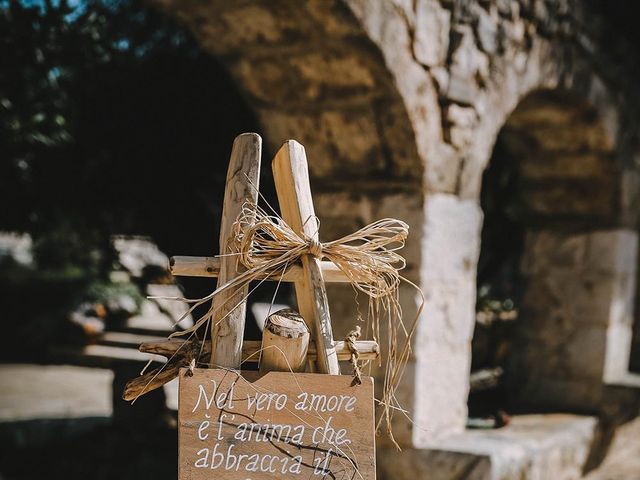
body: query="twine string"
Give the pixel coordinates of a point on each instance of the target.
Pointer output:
(315, 248)
(350, 340)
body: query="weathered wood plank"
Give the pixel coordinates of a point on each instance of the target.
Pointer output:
(185, 266)
(291, 176)
(152, 380)
(263, 426)
(227, 326)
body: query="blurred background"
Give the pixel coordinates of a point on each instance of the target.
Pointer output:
(504, 132)
(116, 134)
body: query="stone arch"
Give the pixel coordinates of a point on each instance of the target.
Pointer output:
(561, 204)
(467, 67)
(311, 73)
(568, 171)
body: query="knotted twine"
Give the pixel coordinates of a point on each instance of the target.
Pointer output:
(266, 247)
(350, 340)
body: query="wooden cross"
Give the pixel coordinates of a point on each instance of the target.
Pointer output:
(290, 172)
(291, 176)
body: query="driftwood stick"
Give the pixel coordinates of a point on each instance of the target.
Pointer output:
(291, 176)
(251, 350)
(153, 379)
(285, 341)
(227, 325)
(184, 266)
(368, 349)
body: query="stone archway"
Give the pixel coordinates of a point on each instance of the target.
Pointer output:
(577, 266)
(310, 72)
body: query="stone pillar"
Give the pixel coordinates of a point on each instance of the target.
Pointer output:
(450, 248)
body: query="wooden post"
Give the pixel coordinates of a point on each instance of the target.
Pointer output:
(183, 266)
(291, 176)
(285, 341)
(243, 177)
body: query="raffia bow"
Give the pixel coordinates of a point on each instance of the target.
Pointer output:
(266, 246)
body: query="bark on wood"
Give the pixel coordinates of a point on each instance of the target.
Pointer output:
(285, 341)
(227, 326)
(151, 380)
(291, 176)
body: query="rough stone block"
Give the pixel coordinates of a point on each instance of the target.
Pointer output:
(336, 71)
(252, 23)
(590, 198)
(440, 464)
(532, 447)
(584, 353)
(487, 31)
(265, 80)
(336, 142)
(431, 36)
(443, 170)
(400, 141)
(612, 251)
(332, 18)
(451, 238)
(462, 87)
(552, 165)
(461, 116)
(352, 140)
(547, 249)
(441, 389)
(462, 121)
(464, 66)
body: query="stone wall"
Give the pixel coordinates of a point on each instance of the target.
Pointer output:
(399, 103)
(576, 322)
(464, 69)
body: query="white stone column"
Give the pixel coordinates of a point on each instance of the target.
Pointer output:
(450, 249)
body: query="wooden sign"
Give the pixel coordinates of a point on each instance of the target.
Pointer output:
(275, 425)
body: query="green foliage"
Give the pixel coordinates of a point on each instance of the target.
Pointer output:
(102, 103)
(50, 54)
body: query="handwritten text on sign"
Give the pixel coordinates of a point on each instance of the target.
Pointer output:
(253, 427)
